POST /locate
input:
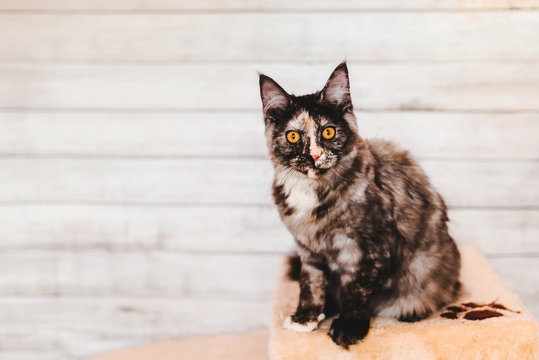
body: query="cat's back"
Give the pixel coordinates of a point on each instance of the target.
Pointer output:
(397, 171)
(421, 218)
(390, 156)
(417, 204)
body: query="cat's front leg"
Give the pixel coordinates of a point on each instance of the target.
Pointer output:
(355, 317)
(349, 329)
(309, 313)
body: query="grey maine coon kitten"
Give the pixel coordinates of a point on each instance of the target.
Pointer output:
(370, 229)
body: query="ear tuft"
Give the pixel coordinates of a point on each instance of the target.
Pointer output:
(337, 88)
(274, 98)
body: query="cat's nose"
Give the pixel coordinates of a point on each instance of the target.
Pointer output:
(315, 157)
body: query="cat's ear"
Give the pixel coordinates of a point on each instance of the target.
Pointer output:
(337, 88)
(274, 99)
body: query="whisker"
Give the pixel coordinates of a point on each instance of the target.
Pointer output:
(288, 174)
(340, 175)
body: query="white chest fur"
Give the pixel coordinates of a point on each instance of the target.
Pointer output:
(301, 196)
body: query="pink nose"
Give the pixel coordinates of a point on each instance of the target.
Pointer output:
(315, 157)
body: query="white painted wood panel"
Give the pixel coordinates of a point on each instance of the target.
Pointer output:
(34, 355)
(75, 335)
(158, 273)
(83, 326)
(221, 229)
(520, 275)
(279, 5)
(475, 87)
(226, 229)
(115, 322)
(519, 272)
(135, 200)
(382, 36)
(244, 181)
(425, 134)
(184, 181)
(497, 231)
(176, 276)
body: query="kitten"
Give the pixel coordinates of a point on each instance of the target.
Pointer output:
(370, 229)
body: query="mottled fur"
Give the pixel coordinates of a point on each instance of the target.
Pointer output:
(371, 231)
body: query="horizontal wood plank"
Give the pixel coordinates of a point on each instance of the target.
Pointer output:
(230, 181)
(520, 275)
(92, 274)
(220, 229)
(475, 87)
(33, 355)
(231, 277)
(135, 202)
(129, 228)
(81, 327)
(115, 321)
(425, 134)
(243, 5)
(497, 231)
(383, 36)
(176, 275)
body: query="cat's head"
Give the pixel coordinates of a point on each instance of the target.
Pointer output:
(310, 133)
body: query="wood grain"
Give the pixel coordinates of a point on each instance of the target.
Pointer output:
(227, 229)
(251, 345)
(520, 275)
(176, 276)
(261, 5)
(497, 231)
(224, 87)
(425, 134)
(129, 228)
(77, 285)
(158, 273)
(383, 36)
(80, 327)
(35, 355)
(135, 202)
(243, 181)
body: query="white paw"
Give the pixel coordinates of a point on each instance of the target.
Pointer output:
(307, 327)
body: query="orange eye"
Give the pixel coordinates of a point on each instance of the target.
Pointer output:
(292, 137)
(328, 132)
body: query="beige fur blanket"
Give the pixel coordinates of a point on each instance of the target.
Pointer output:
(487, 322)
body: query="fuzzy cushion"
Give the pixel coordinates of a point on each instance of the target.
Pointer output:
(487, 322)
(247, 346)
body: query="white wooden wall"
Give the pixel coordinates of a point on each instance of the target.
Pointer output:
(134, 183)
